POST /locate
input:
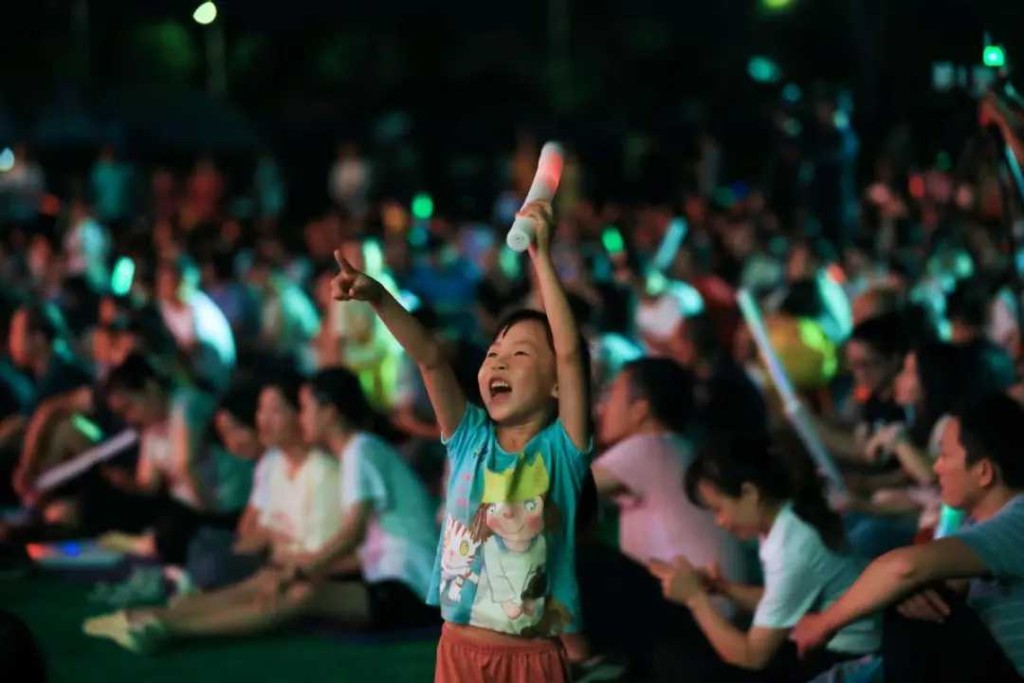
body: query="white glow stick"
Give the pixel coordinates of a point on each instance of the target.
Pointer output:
(545, 184)
(80, 463)
(795, 410)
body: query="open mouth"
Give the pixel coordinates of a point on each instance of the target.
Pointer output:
(499, 387)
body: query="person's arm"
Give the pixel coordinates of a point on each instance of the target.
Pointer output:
(744, 595)
(350, 536)
(607, 483)
(251, 537)
(187, 428)
(886, 580)
(573, 402)
(753, 649)
(443, 388)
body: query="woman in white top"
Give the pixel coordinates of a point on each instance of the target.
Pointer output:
(295, 506)
(756, 491)
(382, 556)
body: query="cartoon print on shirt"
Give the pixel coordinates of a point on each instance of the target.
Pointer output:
(457, 559)
(513, 515)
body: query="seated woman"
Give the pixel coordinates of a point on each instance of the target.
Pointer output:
(755, 492)
(381, 559)
(295, 504)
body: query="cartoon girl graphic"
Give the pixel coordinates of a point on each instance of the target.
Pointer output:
(510, 522)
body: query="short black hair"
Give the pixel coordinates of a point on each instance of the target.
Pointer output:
(667, 387)
(287, 383)
(241, 402)
(990, 428)
(886, 334)
(969, 302)
(341, 389)
(133, 374)
(525, 315)
(46, 319)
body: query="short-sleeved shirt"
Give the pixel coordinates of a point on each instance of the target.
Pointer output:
(302, 507)
(225, 480)
(999, 600)
(506, 558)
(401, 535)
(801, 575)
(656, 519)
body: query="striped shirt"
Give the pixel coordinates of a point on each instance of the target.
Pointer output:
(999, 600)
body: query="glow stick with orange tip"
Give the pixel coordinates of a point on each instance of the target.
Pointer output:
(545, 184)
(796, 412)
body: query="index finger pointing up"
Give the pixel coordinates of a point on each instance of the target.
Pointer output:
(345, 266)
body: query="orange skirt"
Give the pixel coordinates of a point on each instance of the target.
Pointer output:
(464, 657)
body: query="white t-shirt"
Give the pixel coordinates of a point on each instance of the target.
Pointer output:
(802, 575)
(303, 507)
(401, 535)
(656, 519)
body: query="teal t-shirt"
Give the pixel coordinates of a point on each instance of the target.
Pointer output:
(506, 557)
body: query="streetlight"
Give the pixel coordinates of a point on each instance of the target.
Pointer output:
(216, 69)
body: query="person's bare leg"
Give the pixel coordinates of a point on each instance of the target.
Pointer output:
(223, 598)
(254, 614)
(347, 602)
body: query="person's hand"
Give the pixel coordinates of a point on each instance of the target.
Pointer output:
(925, 606)
(273, 589)
(712, 579)
(119, 478)
(883, 442)
(810, 633)
(352, 285)
(680, 580)
(543, 219)
(23, 482)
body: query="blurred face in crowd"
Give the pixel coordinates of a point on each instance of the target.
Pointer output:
(277, 420)
(518, 377)
(24, 344)
(168, 284)
(908, 383)
(962, 484)
(239, 438)
(741, 516)
(316, 418)
(619, 413)
(140, 409)
(869, 368)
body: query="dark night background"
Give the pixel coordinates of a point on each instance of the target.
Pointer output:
(455, 81)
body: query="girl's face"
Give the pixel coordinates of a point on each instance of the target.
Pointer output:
(908, 391)
(239, 438)
(276, 420)
(313, 416)
(517, 522)
(741, 516)
(518, 378)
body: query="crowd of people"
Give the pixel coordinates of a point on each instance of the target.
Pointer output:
(574, 458)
